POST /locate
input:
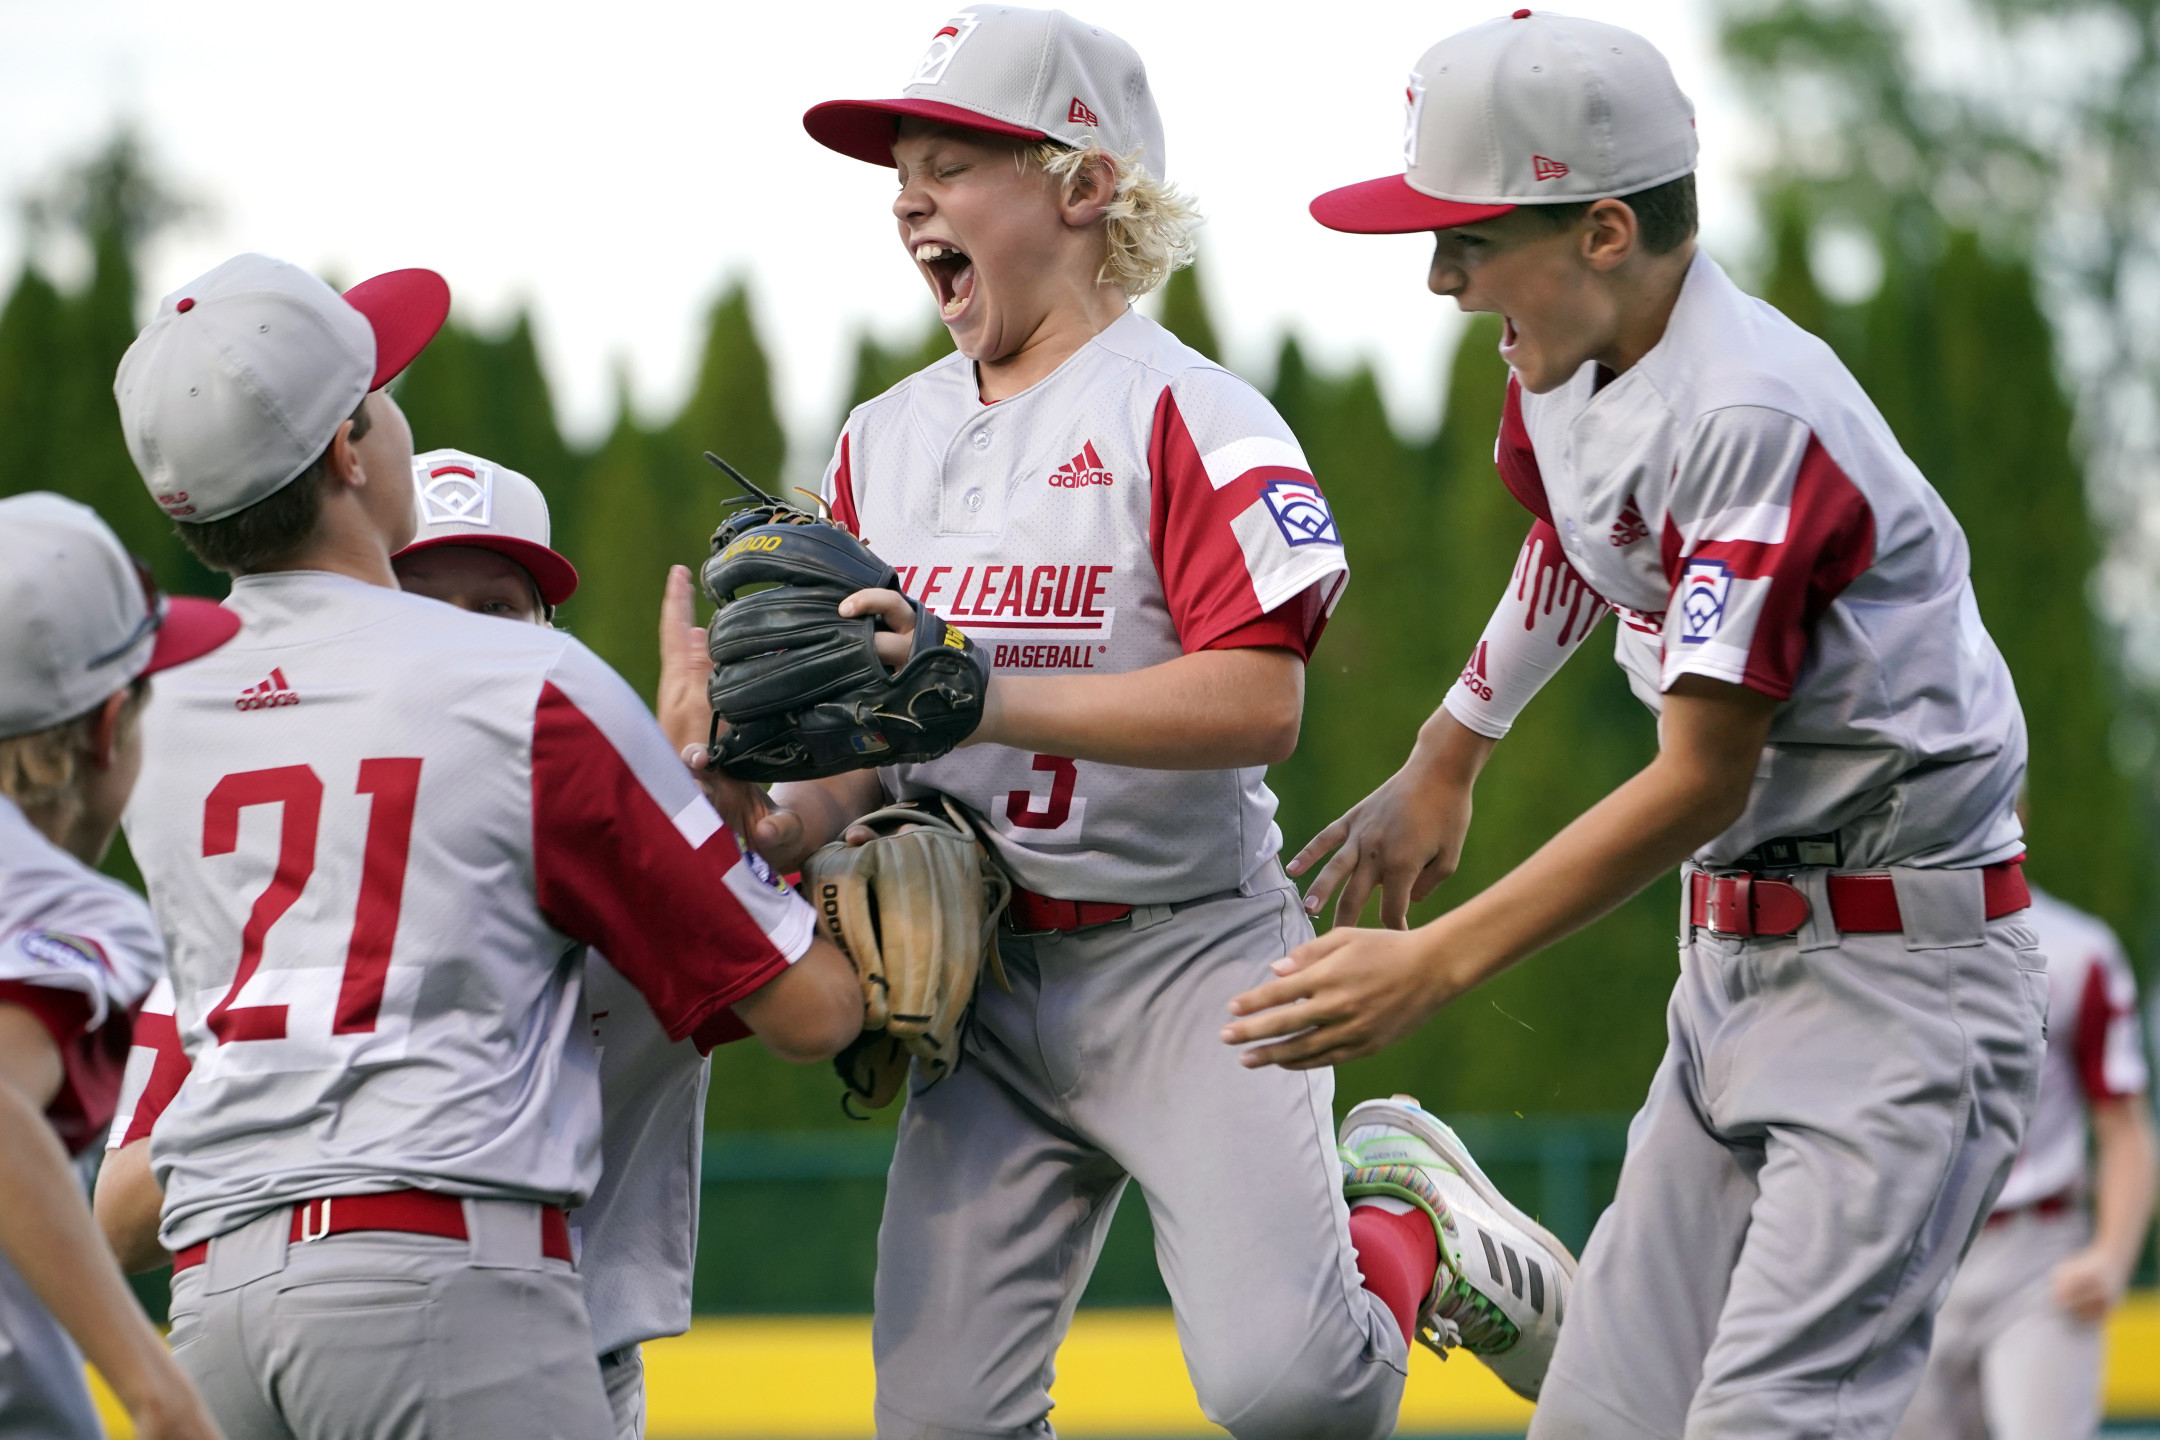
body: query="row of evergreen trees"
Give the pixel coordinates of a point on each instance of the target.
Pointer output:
(1955, 351)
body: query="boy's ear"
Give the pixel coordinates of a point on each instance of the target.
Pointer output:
(108, 729)
(1090, 191)
(1610, 233)
(344, 460)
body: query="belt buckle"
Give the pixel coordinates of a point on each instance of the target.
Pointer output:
(1731, 905)
(308, 1233)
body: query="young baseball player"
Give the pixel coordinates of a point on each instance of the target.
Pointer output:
(1135, 537)
(1856, 1030)
(378, 831)
(483, 547)
(81, 631)
(2017, 1349)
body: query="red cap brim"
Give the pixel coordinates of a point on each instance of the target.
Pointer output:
(1388, 206)
(192, 629)
(864, 129)
(406, 308)
(556, 577)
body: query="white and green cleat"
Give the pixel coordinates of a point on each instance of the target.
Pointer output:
(1503, 1279)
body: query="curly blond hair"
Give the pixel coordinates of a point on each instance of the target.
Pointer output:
(1149, 225)
(43, 770)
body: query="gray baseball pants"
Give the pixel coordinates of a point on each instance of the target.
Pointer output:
(2009, 1363)
(1833, 1118)
(1105, 1064)
(43, 1395)
(379, 1335)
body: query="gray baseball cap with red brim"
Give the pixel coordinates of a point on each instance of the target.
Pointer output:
(1005, 70)
(80, 618)
(1533, 109)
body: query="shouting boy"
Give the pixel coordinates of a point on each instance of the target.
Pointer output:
(1136, 539)
(1856, 1031)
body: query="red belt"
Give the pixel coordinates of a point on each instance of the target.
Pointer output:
(2047, 1207)
(414, 1212)
(1749, 905)
(1032, 912)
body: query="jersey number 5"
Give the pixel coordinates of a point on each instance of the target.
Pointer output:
(394, 784)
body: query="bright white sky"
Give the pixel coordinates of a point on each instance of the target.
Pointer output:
(613, 164)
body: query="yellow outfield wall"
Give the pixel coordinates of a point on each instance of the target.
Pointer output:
(1120, 1374)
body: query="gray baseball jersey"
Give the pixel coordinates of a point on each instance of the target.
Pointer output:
(1139, 504)
(375, 829)
(1743, 506)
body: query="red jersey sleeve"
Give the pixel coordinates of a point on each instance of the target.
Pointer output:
(630, 857)
(156, 1064)
(1763, 532)
(1240, 532)
(2110, 1059)
(92, 1058)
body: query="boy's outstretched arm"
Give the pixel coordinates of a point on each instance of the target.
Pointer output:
(1352, 992)
(48, 1235)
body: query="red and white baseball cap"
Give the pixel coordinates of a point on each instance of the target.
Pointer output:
(1030, 74)
(465, 500)
(245, 373)
(1534, 109)
(80, 617)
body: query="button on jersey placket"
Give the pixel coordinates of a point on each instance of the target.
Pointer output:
(971, 496)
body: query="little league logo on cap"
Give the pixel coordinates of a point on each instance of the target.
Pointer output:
(1028, 74)
(80, 617)
(1534, 109)
(454, 489)
(465, 500)
(244, 375)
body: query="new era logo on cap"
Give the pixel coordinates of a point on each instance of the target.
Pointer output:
(1543, 168)
(1079, 114)
(456, 490)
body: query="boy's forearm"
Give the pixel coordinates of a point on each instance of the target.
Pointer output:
(2126, 1169)
(1209, 710)
(127, 1205)
(49, 1236)
(1712, 736)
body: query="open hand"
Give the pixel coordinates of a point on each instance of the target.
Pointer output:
(1344, 995)
(680, 704)
(1403, 839)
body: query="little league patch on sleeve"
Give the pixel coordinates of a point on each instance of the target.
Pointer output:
(1301, 512)
(1704, 587)
(61, 952)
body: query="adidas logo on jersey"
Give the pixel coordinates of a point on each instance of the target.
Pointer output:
(1083, 469)
(1630, 527)
(272, 692)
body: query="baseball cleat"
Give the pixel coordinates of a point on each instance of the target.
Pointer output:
(1503, 1279)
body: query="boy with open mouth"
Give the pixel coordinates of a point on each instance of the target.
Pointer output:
(1856, 1029)
(1138, 538)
